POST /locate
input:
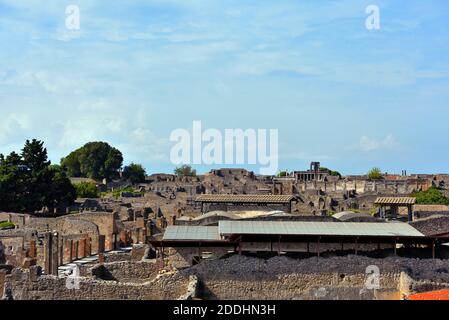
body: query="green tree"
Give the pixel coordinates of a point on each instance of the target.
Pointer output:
(185, 171)
(35, 156)
(28, 182)
(95, 160)
(87, 190)
(332, 172)
(375, 174)
(282, 174)
(433, 195)
(14, 179)
(134, 173)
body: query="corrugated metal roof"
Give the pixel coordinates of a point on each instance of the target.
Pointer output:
(318, 228)
(242, 198)
(395, 200)
(191, 233)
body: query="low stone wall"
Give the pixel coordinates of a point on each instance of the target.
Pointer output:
(117, 256)
(241, 277)
(192, 289)
(127, 271)
(24, 284)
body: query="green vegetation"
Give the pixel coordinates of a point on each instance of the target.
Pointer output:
(185, 171)
(282, 174)
(87, 190)
(332, 172)
(375, 174)
(134, 173)
(95, 160)
(117, 192)
(28, 182)
(433, 195)
(6, 225)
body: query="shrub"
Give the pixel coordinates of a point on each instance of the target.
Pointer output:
(433, 195)
(87, 190)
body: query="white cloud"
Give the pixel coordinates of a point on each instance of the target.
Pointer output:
(78, 131)
(12, 124)
(368, 144)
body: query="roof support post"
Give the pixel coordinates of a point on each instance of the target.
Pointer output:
(279, 245)
(240, 245)
(318, 247)
(356, 245)
(410, 213)
(433, 249)
(394, 246)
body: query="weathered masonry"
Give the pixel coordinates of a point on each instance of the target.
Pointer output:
(230, 202)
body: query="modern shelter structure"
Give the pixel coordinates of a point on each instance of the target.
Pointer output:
(232, 202)
(394, 203)
(297, 236)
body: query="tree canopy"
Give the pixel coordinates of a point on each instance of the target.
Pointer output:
(332, 172)
(282, 174)
(375, 174)
(28, 182)
(95, 160)
(185, 171)
(134, 173)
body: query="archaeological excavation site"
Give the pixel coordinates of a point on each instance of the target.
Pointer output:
(232, 234)
(217, 159)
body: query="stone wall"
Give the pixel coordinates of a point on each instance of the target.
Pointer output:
(12, 250)
(105, 222)
(241, 277)
(124, 271)
(24, 284)
(362, 186)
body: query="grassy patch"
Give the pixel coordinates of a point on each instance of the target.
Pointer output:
(6, 224)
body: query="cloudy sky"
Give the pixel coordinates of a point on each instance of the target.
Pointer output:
(339, 93)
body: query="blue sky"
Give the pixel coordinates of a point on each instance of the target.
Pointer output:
(349, 97)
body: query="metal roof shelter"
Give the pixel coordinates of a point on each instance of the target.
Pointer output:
(394, 203)
(231, 233)
(191, 236)
(191, 233)
(245, 199)
(369, 229)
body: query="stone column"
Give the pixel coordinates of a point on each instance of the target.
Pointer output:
(2, 282)
(47, 253)
(33, 251)
(81, 248)
(54, 253)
